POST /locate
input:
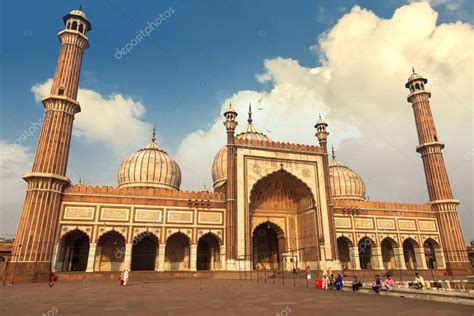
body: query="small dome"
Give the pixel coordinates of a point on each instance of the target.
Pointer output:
(79, 13)
(219, 165)
(414, 76)
(150, 167)
(345, 182)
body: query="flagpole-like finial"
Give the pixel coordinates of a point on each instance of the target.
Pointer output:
(333, 153)
(250, 114)
(153, 135)
(412, 69)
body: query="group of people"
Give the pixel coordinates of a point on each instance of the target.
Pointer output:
(337, 282)
(332, 282)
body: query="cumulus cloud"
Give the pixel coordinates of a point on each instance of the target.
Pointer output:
(14, 159)
(114, 120)
(364, 62)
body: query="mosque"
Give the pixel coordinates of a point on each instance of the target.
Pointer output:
(274, 205)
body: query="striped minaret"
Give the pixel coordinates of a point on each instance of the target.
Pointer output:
(33, 246)
(439, 189)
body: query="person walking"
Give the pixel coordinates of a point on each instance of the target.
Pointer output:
(356, 284)
(125, 276)
(339, 282)
(52, 279)
(377, 284)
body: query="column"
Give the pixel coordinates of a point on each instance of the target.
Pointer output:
(193, 257)
(157, 258)
(91, 257)
(161, 258)
(128, 256)
(400, 259)
(223, 261)
(377, 259)
(54, 260)
(322, 251)
(440, 260)
(355, 260)
(420, 259)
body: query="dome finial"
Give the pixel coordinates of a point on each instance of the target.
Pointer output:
(153, 135)
(333, 153)
(250, 114)
(412, 69)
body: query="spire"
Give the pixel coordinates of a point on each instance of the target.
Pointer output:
(250, 114)
(333, 153)
(80, 7)
(412, 69)
(153, 136)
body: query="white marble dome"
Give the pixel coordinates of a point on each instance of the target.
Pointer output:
(345, 182)
(150, 167)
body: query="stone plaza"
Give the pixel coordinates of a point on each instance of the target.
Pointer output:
(207, 297)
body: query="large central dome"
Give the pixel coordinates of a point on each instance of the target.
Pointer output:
(219, 165)
(150, 167)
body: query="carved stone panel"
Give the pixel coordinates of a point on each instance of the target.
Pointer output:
(364, 223)
(343, 222)
(79, 212)
(178, 216)
(114, 214)
(148, 215)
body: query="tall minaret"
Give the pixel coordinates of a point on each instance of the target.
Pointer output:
(437, 180)
(231, 215)
(322, 135)
(33, 246)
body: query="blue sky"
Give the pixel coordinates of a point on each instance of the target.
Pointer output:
(203, 55)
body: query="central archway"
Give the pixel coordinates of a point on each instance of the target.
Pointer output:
(267, 241)
(281, 197)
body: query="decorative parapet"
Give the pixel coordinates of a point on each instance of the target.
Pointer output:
(144, 192)
(268, 144)
(374, 205)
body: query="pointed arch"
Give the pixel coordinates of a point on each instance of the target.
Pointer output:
(208, 252)
(74, 250)
(111, 251)
(344, 245)
(388, 246)
(409, 246)
(366, 259)
(432, 253)
(285, 183)
(177, 252)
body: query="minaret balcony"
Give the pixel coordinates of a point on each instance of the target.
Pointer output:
(430, 148)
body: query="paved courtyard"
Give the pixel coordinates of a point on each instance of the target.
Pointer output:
(206, 297)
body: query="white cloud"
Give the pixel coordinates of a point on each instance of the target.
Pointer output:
(114, 120)
(359, 88)
(14, 159)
